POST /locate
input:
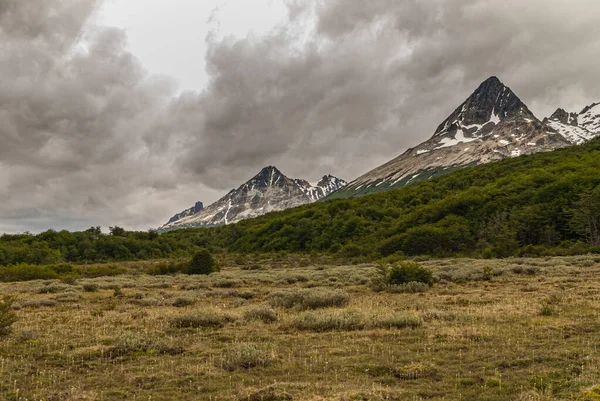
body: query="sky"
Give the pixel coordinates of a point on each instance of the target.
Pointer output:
(125, 112)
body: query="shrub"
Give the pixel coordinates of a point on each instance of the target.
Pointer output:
(100, 271)
(128, 344)
(310, 299)
(167, 268)
(403, 277)
(399, 321)
(7, 316)
(203, 263)
(90, 287)
(207, 318)
(407, 272)
(409, 288)
(246, 356)
(182, 302)
(264, 314)
(25, 272)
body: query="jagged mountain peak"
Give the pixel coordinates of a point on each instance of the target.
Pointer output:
(564, 117)
(491, 102)
(577, 128)
(492, 124)
(270, 190)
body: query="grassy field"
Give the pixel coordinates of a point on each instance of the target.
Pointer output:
(516, 329)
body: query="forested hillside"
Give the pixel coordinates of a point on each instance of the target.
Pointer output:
(546, 203)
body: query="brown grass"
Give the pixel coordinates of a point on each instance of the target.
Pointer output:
(518, 329)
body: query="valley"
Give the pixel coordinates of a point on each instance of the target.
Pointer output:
(514, 329)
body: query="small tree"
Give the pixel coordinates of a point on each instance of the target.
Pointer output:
(7, 316)
(203, 263)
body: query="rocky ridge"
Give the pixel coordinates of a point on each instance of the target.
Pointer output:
(268, 191)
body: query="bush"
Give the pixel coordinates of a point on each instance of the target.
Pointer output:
(203, 263)
(310, 299)
(90, 287)
(25, 272)
(167, 268)
(182, 302)
(100, 271)
(407, 272)
(246, 356)
(7, 316)
(402, 273)
(399, 321)
(207, 318)
(264, 314)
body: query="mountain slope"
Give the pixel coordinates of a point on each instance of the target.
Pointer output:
(577, 128)
(492, 124)
(517, 206)
(266, 192)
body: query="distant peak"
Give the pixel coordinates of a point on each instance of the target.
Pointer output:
(492, 101)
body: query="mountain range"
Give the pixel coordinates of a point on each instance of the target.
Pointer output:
(492, 124)
(270, 190)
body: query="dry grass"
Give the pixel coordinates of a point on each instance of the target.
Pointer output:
(296, 329)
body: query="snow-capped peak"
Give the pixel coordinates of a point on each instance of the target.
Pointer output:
(270, 190)
(576, 128)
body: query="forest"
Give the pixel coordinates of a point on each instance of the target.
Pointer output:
(541, 204)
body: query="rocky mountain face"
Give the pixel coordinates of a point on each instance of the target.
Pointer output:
(198, 207)
(266, 192)
(576, 127)
(492, 124)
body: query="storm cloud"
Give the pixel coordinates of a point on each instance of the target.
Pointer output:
(88, 137)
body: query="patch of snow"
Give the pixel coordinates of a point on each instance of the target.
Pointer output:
(532, 144)
(229, 208)
(459, 137)
(503, 142)
(494, 118)
(422, 151)
(515, 153)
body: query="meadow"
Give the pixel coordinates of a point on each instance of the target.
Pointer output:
(302, 328)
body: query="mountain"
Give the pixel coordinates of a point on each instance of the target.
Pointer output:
(198, 207)
(492, 124)
(532, 205)
(577, 128)
(266, 192)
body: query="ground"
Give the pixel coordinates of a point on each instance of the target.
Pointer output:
(297, 328)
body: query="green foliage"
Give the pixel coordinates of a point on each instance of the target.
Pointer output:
(407, 272)
(7, 316)
(203, 263)
(24, 272)
(537, 205)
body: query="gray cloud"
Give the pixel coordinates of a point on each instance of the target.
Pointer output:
(89, 137)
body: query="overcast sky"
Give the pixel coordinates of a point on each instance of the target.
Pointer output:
(125, 112)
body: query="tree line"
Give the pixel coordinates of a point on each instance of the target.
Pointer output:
(542, 204)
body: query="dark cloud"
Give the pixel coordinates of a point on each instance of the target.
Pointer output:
(89, 137)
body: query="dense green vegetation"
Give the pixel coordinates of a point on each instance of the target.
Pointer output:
(541, 204)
